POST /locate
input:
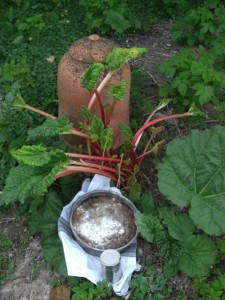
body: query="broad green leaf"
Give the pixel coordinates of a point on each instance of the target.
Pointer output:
(119, 56)
(50, 128)
(118, 91)
(35, 155)
(24, 182)
(179, 226)
(198, 255)
(91, 76)
(193, 174)
(148, 225)
(45, 218)
(53, 253)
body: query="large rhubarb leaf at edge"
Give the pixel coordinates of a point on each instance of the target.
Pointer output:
(193, 174)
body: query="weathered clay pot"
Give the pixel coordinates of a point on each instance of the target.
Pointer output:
(72, 95)
(102, 220)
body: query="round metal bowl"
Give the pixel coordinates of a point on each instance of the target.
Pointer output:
(129, 231)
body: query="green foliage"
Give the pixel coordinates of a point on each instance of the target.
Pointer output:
(104, 16)
(6, 263)
(192, 80)
(13, 71)
(43, 220)
(210, 290)
(119, 56)
(149, 284)
(50, 128)
(180, 248)
(88, 291)
(179, 226)
(91, 76)
(25, 181)
(201, 25)
(118, 91)
(192, 175)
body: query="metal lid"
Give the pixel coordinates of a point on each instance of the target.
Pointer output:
(91, 49)
(110, 257)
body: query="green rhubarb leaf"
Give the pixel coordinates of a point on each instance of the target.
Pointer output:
(193, 174)
(18, 101)
(179, 226)
(24, 181)
(50, 128)
(34, 156)
(86, 113)
(96, 128)
(37, 155)
(199, 254)
(119, 56)
(106, 138)
(53, 253)
(126, 131)
(118, 91)
(91, 76)
(44, 219)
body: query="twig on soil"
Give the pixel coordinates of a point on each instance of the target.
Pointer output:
(167, 55)
(6, 220)
(175, 123)
(153, 78)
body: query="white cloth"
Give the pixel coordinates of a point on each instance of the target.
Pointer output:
(81, 264)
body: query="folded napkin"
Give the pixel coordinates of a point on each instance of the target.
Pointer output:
(82, 264)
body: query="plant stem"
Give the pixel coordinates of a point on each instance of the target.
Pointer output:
(100, 104)
(99, 89)
(39, 111)
(73, 169)
(145, 126)
(112, 107)
(89, 157)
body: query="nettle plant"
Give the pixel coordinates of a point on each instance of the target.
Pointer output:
(39, 165)
(201, 25)
(193, 78)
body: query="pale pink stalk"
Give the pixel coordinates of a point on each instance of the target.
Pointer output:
(99, 89)
(145, 126)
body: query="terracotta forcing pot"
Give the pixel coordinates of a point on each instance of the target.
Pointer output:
(72, 95)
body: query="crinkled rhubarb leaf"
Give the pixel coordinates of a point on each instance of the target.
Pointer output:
(91, 76)
(37, 155)
(119, 56)
(199, 253)
(193, 174)
(50, 128)
(118, 90)
(24, 182)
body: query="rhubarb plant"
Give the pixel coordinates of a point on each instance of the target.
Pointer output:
(192, 176)
(39, 165)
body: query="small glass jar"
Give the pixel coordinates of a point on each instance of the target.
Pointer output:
(111, 268)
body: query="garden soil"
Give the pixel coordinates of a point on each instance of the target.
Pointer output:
(31, 279)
